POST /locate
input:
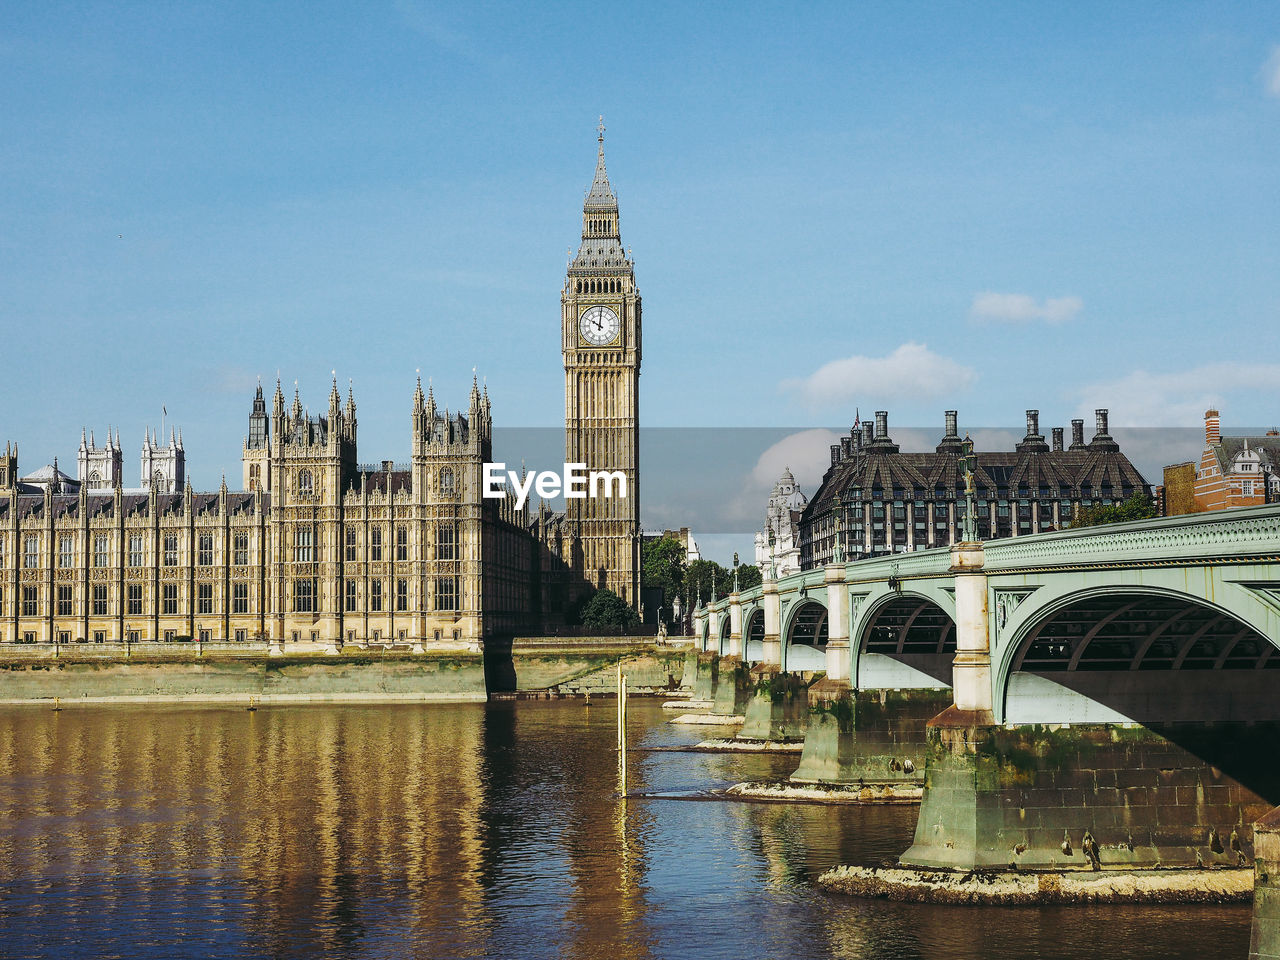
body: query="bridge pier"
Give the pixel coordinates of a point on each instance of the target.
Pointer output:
(837, 624)
(873, 737)
(1092, 796)
(778, 709)
(734, 688)
(1264, 943)
(735, 624)
(772, 622)
(707, 671)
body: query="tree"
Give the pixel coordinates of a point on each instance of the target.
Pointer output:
(1138, 507)
(607, 609)
(662, 566)
(700, 575)
(749, 576)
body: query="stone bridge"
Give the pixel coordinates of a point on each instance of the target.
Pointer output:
(1108, 696)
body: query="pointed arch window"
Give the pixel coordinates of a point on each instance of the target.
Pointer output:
(448, 486)
(306, 485)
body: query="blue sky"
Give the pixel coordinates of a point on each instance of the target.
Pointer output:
(834, 207)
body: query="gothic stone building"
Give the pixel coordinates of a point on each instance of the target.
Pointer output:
(318, 547)
(893, 502)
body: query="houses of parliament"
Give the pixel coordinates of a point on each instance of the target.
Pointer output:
(318, 547)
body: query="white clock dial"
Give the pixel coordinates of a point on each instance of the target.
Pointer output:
(599, 325)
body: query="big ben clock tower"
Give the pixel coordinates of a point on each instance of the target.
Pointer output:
(600, 338)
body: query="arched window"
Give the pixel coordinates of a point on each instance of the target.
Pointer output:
(447, 487)
(255, 476)
(305, 486)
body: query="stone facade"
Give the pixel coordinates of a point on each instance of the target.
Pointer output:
(778, 543)
(600, 321)
(318, 549)
(1231, 472)
(887, 501)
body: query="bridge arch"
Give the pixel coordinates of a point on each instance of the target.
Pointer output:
(1140, 653)
(753, 634)
(804, 635)
(905, 639)
(726, 628)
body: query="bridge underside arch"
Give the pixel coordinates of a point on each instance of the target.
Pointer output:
(805, 647)
(909, 641)
(726, 628)
(753, 636)
(1179, 666)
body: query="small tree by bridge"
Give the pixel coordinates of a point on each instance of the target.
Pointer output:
(1138, 507)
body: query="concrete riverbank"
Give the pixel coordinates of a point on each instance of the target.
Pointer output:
(187, 672)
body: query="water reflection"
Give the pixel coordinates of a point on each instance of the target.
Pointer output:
(462, 831)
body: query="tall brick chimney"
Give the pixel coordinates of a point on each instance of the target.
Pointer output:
(951, 423)
(1212, 427)
(1057, 439)
(1077, 434)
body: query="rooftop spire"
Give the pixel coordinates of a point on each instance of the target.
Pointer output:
(600, 196)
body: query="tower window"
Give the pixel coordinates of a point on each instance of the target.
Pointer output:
(375, 543)
(447, 485)
(135, 551)
(101, 552)
(135, 599)
(303, 596)
(206, 551)
(305, 484)
(375, 596)
(170, 551)
(402, 543)
(241, 549)
(66, 552)
(239, 598)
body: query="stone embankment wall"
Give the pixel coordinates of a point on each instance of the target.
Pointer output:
(215, 678)
(95, 673)
(589, 666)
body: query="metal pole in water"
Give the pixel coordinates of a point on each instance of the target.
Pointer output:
(622, 729)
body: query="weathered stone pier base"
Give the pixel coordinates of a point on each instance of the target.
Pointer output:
(708, 672)
(1264, 944)
(1085, 797)
(778, 709)
(734, 687)
(873, 737)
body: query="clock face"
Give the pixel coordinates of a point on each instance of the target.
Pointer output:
(599, 325)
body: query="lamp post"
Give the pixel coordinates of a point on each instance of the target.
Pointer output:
(773, 570)
(968, 463)
(735, 571)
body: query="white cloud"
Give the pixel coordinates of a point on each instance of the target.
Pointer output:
(912, 371)
(1177, 399)
(1020, 308)
(1271, 72)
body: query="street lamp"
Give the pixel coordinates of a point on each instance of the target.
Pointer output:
(968, 464)
(735, 571)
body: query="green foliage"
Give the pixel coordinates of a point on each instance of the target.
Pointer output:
(699, 577)
(1137, 507)
(749, 576)
(607, 609)
(662, 566)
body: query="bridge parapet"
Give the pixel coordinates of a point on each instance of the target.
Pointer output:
(1242, 532)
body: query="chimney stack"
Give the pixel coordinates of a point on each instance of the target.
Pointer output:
(1100, 421)
(1033, 423)
(1057, 439)
(1077, 434)
(951, 424)
(866, 433)
(1212, 427)
(882, 424)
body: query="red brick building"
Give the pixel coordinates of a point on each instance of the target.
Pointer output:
(1232, 471)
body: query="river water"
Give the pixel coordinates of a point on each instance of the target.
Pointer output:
(466, 831)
